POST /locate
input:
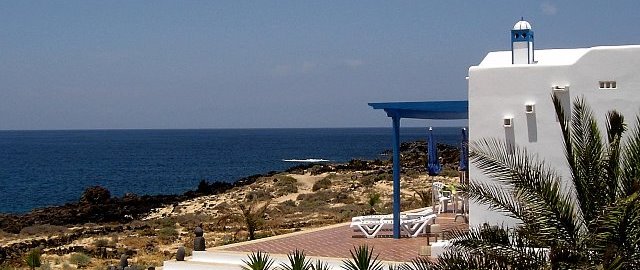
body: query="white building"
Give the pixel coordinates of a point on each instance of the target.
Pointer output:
(510, 96)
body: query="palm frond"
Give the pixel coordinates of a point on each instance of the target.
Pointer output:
(611, 183)
(618, 237)
(566, 133)
(589, 155)
(496, 197)
(320, 265)
(498, 248)
(591, 222)
(297, 261)
(258, 261)
(631, 162)
(535, 186)
(362, 258)
(419, 263)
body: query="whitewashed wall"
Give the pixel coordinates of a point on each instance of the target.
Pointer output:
(496, 91)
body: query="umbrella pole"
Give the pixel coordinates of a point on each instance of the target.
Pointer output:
(433, 195)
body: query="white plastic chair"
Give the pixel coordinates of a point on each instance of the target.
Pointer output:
(439, 195)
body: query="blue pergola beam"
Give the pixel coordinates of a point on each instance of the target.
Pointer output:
(443, 110)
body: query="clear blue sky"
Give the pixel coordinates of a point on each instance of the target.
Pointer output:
(255, 64)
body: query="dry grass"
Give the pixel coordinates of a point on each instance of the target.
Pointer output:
(332, 199)
(42, 230)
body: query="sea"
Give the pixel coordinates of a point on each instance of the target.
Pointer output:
(46, 168)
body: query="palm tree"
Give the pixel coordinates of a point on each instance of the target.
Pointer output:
(594, 221)
(253, 216)
(374, 198)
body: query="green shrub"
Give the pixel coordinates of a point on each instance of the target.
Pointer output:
(166, 222)
(423, 196)
(167, 234)
(374, 198)
(367, 180)
(259, 195)
(384, 177)
(347, 211)
(371, 179)
(344, 197)
(101, 242)
(321, 198)
(114, 240)
(80, 259)
(285, 185)
(287, 207)
(33, 259)
(192, 220)
(323, 183)
(450, 172)
(147, 232)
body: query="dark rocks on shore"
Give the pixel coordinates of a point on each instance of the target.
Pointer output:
(107, 210)
(96, 205)
(55, 244)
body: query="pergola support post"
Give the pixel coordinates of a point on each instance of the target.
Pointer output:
(447, 110)
(396, 176)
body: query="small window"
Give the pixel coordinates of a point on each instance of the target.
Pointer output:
(529, 108)
(507, 122)
(558, 88)
(608, 84)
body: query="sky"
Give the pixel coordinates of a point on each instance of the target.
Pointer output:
(263, 64)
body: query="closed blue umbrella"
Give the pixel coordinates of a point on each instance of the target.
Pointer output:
(433, 164)
(464, 151)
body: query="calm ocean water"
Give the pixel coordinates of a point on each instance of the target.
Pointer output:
(42, 168)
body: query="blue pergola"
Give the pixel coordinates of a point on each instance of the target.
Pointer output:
(438, 110)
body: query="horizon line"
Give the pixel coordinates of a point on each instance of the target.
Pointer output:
(224, 128)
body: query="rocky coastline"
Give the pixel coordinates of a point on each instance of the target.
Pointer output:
(97, 213)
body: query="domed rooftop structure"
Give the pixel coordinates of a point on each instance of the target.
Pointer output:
(522, 25)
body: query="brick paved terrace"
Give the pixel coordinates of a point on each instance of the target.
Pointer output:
(336, 241)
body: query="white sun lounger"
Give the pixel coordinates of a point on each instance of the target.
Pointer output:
(424, 212)
(413, 224)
